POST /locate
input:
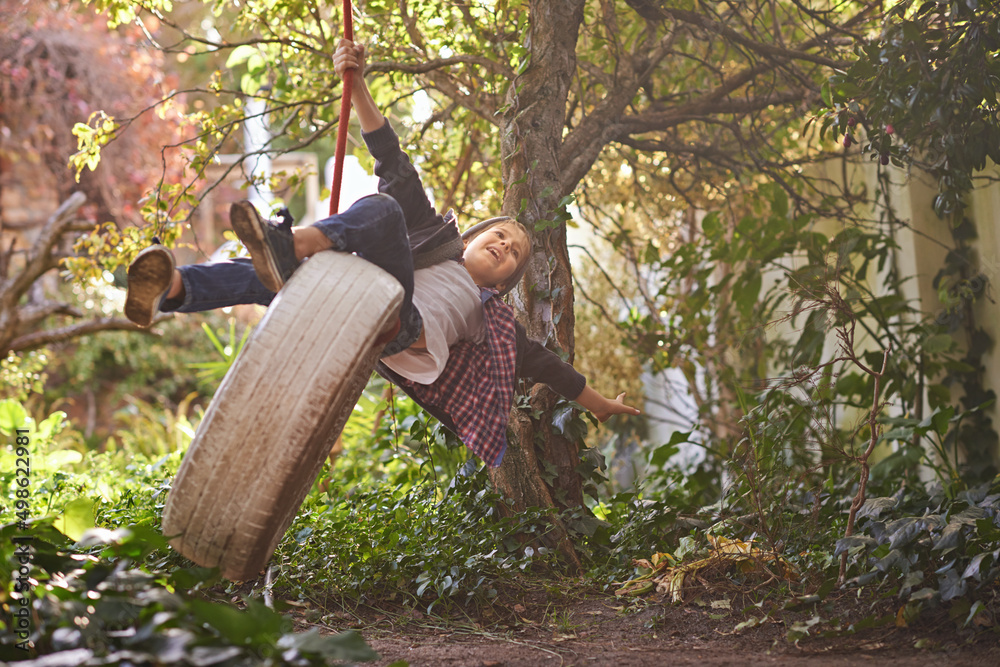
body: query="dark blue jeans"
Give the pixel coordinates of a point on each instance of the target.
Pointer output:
(373, 228)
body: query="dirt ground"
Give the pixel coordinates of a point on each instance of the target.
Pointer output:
(596, 629)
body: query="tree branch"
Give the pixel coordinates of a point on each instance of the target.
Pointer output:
(386, 66)
(767, 50)
(40, 257)
(29, 316)
(582, 146)
(42, 338)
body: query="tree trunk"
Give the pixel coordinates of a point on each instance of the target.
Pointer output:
(531, 136)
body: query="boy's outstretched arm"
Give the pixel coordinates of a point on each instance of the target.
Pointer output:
(603, 407)
(351, 56)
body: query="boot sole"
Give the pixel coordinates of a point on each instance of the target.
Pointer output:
(149, 278)
(249, 228)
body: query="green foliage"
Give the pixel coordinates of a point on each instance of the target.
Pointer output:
(736, 300)
(928, 548)
(23, 374)
(153, 429)
(212, 372)
(98, 598)
(925, 93)
(390, 439)
(145, 367)
(420, 545)
(117, 592)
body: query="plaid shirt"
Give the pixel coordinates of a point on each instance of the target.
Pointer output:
(476, 388)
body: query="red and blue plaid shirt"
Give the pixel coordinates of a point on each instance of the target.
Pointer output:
(476, 388)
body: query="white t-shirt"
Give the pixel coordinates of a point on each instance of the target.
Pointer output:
(449, 303)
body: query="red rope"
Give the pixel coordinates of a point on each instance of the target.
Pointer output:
(345, 117)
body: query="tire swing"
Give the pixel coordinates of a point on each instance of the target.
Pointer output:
(284, 401)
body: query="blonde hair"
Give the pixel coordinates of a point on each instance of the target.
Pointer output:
(522, 262)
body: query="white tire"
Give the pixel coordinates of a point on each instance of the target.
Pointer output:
(269, 427)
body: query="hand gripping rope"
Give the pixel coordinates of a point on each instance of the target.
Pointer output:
(345, 117)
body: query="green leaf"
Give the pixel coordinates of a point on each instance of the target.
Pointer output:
(942, 418)
(873, 507)
(972, 569)
(240, 55)
(779, 202)
(977, 607)
(12, 416)
(711, 225)
(59, 459)
(257, 625)
(903, 531)
(746, 292)
(661, 454)
(938, 343)
(77, 518)
(904, 433)
(848, 543)
(951, 585)
(346, 646)
(50, 426)
(949, 537)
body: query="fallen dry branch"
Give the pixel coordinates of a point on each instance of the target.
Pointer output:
(725, 557)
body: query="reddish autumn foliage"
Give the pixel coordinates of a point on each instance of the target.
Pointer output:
(58, 66)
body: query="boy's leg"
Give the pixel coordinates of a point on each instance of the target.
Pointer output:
(203, 286)
(375, 229)
(270, 244)
(230, 282)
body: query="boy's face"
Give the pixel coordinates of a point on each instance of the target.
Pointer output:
(493, 256)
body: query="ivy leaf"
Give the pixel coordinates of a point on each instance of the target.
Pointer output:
(903, 531)
(972, 569)
(951, 585)
(561, 417)
(847, 543)
(894, 560)
(949, 537)
(873, 507)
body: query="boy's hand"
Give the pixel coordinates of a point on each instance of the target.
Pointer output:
(351, 57)
(602, 407)
(615, 407)
(348, 56)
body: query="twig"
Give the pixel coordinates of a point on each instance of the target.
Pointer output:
(846, 335)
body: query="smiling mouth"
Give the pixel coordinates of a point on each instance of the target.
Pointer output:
(495, 253)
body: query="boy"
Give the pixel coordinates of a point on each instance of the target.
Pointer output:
(457, 351)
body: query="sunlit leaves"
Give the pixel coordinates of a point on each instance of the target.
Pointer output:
(91, 137)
